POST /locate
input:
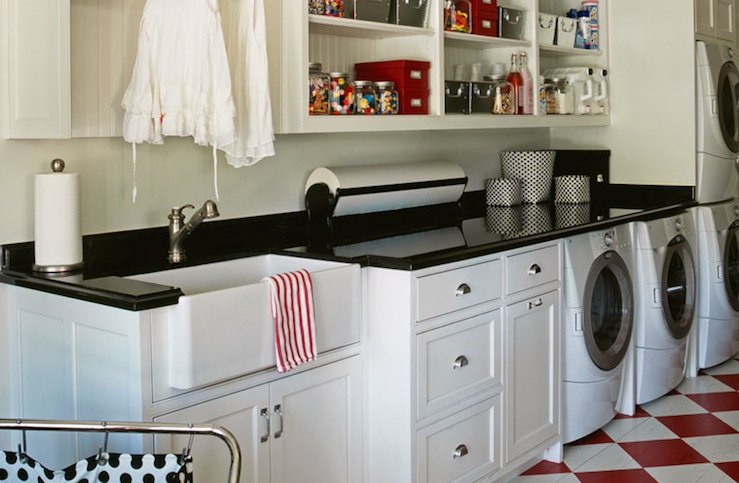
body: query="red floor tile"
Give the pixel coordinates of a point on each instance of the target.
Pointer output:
(599, 436)
(619, 476)
(731, 380)
(639, 413)
(547, 468)
(663, 452)
(696, 425)
(717, 401)
(731, 468)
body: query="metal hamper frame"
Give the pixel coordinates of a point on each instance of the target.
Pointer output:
(134, 427)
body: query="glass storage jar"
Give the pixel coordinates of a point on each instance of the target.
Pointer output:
(334, 8)
(503, 94)
(341, 93)
(316, 7)
(388, 101)
(560, 98)
(318, 89)
(366, 98)
(458, 15)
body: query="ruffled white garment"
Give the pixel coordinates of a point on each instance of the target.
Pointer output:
(246, 43)
(181, 82)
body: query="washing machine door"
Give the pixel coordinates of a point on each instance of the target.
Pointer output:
(727, 92)
(609, 310)
(731, 265)
(678, 287)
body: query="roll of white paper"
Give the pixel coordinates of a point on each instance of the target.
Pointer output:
(385, 178)
(58, 228)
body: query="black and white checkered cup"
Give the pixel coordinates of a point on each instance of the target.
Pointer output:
(535, 170)
(503, 192)
(572, 189)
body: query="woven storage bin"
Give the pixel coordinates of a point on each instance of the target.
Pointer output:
(503, 192)
(535, 170)
(572, 189)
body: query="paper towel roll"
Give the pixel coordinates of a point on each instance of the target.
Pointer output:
(383, 187)
(58, 230)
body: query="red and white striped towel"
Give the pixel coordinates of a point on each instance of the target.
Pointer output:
(292, 310)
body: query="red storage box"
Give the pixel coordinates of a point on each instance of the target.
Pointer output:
(485, 5)
(413, 101)
(406, 74)
(485, 23)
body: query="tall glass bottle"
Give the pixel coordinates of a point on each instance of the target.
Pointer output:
(528, 84)
(514, 77)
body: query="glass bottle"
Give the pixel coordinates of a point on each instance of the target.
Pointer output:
(514, 77)
(387, 98)
(528, 84)
(503, 92)
(341, 94)
(366, 98)
(318, 89)
(458, 15)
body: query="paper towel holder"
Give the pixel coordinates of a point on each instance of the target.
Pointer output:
(57, 166)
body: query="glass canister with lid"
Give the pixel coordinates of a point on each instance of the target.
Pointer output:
(458, 15)
(366, 97)
(318, 90)
(333, 8)
(388, 100)
(316, 7)
(560, 98)
(341, 94)
(503, 92)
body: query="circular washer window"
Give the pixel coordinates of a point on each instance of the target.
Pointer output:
(678, 287)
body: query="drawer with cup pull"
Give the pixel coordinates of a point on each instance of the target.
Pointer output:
(532, 268)
(457, 361)
(462, 447)
(444, 292)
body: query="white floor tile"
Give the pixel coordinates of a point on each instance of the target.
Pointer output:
(702, 385)
(651, 430)
(617, 428)
(611, 458)
(673, 406)
(729, 367)
(701, 473)
(729, 417)
(718, 449)
(576, 455)
(553, 478)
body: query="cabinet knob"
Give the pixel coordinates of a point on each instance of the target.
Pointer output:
(535, 303)
(460, 361)
(534, 270)
(463, 289)
(278, 411)
(460, 451)
(265, 414)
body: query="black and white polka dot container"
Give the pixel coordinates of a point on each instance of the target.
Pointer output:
(503, 192)
(504, 220)
(535, 170)
(572, 189)
(567, 215)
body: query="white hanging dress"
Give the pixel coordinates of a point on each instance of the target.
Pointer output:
(181, 82)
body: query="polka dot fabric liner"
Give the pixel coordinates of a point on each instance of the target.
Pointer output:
(118, 468)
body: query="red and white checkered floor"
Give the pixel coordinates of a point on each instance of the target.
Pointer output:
(689, 435)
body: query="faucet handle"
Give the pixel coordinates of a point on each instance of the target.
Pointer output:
(177, 211)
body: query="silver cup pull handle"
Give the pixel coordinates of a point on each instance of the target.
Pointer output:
(534, 269)
(460, 451)
(463, 289)
(460, 362)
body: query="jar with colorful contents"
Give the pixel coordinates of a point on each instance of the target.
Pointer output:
(458, 15)
(334, 8)
(318, 84)
(316, 7)
(341, 93)
(388, 99)
(366, 98)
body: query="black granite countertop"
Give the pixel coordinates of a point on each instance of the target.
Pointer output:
(405, 240)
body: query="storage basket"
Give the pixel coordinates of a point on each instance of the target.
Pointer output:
(503, 192)
(547, 27)
(572, 189)
(534, 168)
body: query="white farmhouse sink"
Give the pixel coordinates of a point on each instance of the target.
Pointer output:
(223, 328)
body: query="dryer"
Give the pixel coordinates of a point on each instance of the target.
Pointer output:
(717, 85)
(665, 286)
(718, 292)
(597, 321)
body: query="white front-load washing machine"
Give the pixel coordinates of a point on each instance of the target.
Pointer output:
(717, 122)
(718, 291)
(597, 326)
(665, 300)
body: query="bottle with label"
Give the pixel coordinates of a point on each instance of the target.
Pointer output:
(528, 84)
(514, 77)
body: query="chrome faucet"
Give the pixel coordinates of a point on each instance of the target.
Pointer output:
(178, 232)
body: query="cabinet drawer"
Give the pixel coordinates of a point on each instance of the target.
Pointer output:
(463, 447)
(531, 269)
(458, 361)
(460, 288)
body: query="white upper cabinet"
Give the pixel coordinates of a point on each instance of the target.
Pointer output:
(715, 19)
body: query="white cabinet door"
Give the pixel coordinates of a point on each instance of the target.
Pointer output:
(704, 17)
(317, 426)
(244, 414)
(38, 58)
(724, 20)
(531, 334)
